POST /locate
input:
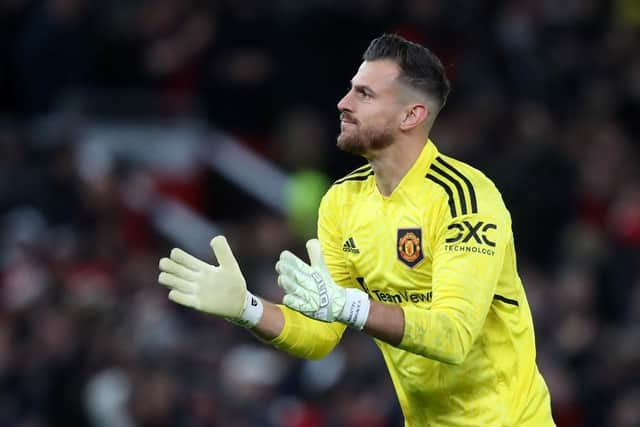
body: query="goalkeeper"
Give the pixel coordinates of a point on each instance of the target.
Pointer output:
(415, 249)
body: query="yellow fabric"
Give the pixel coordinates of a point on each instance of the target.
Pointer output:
(441, 247)
(305, 337)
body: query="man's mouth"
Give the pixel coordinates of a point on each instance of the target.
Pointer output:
(347, 120)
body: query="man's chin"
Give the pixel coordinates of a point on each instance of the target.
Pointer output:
(350, 145)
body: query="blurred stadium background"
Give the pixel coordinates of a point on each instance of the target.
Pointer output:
(128, 127)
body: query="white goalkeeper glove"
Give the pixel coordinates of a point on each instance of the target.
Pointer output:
(311, 291)
(219, 290)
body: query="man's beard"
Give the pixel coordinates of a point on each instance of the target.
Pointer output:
(362, 142)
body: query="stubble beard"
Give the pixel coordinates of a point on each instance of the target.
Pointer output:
(365, 141)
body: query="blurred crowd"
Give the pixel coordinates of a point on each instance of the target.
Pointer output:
(545, 101)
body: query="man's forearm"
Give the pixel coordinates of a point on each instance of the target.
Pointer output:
(271, 324)
(385, 322)
(295, 333)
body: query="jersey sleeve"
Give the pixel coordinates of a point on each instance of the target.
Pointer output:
(305, 337)
(468, 254)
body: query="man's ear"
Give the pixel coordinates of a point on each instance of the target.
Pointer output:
(414, 116)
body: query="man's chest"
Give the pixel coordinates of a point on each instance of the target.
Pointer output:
(388, 251)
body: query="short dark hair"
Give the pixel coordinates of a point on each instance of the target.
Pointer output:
(419, 67)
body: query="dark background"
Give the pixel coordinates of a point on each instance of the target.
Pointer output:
(108, 109)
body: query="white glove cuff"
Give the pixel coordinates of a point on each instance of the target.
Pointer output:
(356, 308)
(252, 311)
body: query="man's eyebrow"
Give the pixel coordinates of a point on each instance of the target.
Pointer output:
(364, 88)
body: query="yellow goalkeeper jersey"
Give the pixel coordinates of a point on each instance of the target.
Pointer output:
(441, 247)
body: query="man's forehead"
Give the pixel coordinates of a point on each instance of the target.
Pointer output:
(379, 73)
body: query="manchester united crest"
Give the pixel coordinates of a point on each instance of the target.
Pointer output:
(410, 246)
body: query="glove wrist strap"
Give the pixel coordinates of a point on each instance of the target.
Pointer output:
(356, 308)
(252, 311)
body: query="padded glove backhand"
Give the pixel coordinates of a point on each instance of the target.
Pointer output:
(311, 290)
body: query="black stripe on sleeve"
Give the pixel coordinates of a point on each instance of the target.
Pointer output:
(472, 193)
(463, 203)
(506, 300)
(354, 178)
(452, 206)
(360, 169)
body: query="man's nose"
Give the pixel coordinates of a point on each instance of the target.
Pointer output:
(344, 103)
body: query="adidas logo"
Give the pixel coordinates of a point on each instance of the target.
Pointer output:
(350, 246)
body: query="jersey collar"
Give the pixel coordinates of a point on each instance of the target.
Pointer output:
(416, 174)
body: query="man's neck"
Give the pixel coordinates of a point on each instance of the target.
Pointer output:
(392, 164)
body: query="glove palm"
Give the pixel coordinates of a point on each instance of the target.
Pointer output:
(220, 290)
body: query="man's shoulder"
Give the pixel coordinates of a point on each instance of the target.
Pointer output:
(465, 189)
(459, 169)
(359, 174)
(353, 182)
(346, 189)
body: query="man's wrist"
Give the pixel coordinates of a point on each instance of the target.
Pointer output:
(251, 313)
(355, 311)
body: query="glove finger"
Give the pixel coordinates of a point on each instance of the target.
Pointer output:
(175, 282)
(183, 299)
(168, 265)
(294, 262)
(298, 304)
(285, 268)
(188, 260)
(314, 249)
(290, 286)
(300, 278)
(223, 253)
